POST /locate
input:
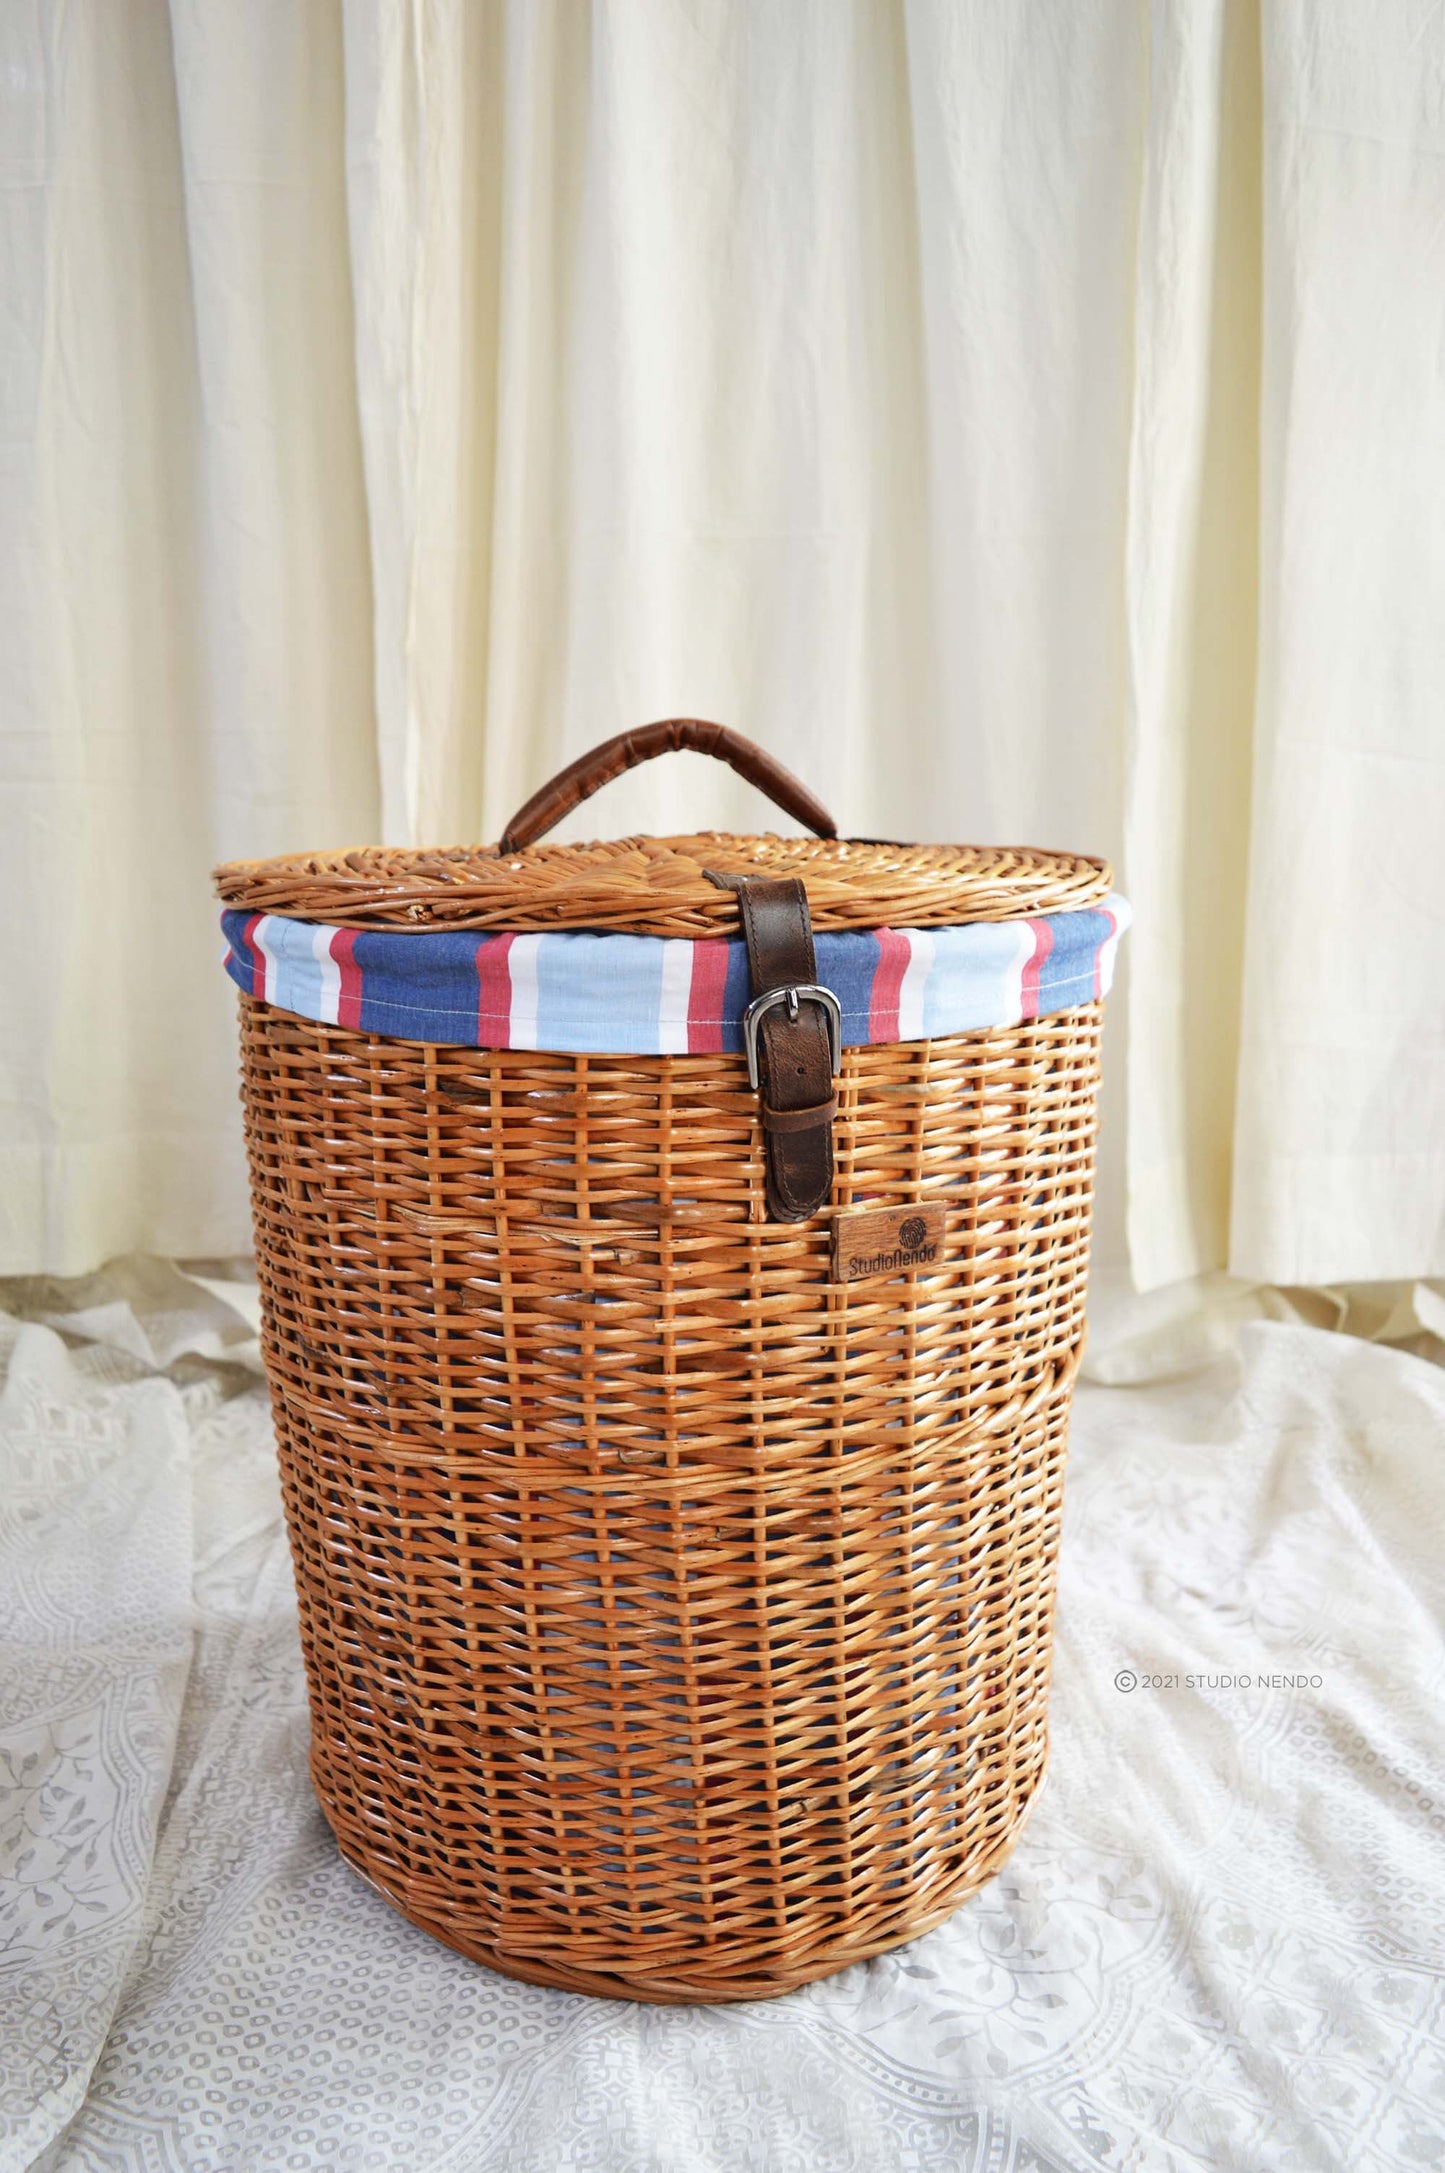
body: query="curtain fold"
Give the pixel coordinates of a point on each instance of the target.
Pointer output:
(1026, 422)
(1191, 604)
(1339, 1148)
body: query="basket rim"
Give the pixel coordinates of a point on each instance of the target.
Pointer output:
(657, 885)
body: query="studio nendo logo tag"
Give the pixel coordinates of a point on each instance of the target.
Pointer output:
(869, 1241)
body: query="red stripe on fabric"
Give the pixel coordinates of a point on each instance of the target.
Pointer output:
(255, 958)
(705, 996)
(1112, 919)
(1029, 993)
(342, 945)
(894, 953)
(494, 993)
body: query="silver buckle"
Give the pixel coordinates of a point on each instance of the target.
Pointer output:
(805, 993)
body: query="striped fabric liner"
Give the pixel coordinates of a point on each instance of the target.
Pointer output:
(663, 996)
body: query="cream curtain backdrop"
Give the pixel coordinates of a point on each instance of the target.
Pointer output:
(1026, 420)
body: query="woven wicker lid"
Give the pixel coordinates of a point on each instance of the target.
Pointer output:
(656, 886)
(659, 885)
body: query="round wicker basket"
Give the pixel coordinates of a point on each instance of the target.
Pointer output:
(676, 1617)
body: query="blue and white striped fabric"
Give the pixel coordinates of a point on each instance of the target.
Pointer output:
(661, 996)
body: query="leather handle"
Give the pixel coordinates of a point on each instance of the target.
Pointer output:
(570, 787)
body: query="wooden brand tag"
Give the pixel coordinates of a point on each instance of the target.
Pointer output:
(875, 1241)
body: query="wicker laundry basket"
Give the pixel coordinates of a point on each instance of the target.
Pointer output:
(672, 1462)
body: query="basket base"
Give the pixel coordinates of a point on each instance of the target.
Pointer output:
(716, 1978)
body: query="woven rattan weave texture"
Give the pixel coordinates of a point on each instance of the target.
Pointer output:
(677, 1621)
(656, 886)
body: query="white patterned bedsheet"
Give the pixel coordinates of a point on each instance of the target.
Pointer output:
(1220, 1942)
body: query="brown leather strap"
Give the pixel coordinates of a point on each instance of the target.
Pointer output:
(795, 1056)
(673, 735)
(800, 1120)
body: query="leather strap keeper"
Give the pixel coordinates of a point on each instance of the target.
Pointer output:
(795, 1058)
(799, 1120)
